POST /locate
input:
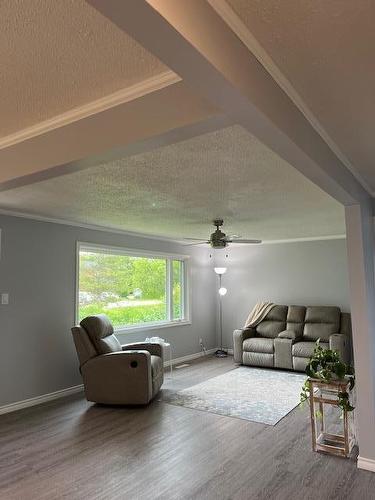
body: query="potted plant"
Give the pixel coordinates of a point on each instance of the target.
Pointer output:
(325, 365)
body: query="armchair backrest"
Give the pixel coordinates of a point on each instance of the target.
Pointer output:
(84, 346)
(100, 332)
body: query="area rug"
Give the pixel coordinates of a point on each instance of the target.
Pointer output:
(255, 394)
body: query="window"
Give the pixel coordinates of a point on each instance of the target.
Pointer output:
(133, 289)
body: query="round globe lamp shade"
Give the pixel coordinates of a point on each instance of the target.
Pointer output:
(222, 291)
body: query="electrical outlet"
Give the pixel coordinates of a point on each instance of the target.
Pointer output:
(203, 347)
(5, 299)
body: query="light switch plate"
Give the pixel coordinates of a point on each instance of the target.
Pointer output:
(5, 299)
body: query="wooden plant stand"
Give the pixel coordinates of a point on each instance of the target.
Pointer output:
(324, 395)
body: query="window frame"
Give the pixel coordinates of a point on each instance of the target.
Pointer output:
(131, 252)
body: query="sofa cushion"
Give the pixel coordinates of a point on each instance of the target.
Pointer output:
(299, 364)
(295, 319)
(306, 349)
(257, 344)
(321, 322)
(273, 323)
(258, 359)
(289, 334)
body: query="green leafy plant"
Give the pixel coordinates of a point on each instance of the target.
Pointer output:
(325, 365)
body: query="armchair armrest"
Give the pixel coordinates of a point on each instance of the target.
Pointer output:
(340, 343)
(155, 348)
(289, 334)
(238, 337)
(122, 377)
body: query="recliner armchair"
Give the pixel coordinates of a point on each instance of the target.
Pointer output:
(129, 374)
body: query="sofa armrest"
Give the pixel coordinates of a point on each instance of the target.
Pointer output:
(282, 357)
(289, 334)
(238, 337)
(122, 377)
(153, 348)
(340, 343)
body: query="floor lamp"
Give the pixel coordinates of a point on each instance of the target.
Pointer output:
(221, 353)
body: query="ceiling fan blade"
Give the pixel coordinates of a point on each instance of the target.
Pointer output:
(195, 243)
(232, 237)
(194, 239)
(250, 242)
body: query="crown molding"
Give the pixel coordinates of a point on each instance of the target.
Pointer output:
(179, 241)
(241, 30)
(122, 96)
(307, 239)
(92, 227)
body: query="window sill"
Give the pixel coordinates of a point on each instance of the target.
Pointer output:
(154, 326)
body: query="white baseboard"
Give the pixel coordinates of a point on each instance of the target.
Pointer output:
(19, 405)
(366, 464)
(26, 403)
(189, 357)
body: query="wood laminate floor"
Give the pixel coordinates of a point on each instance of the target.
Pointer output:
(75, 450)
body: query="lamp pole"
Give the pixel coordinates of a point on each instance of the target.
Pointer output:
(221, 353)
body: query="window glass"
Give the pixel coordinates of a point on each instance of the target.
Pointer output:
(130, 290)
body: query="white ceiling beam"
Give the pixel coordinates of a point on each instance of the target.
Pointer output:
(133, 121)
(117, 98)
(194, 41)
(234, 21)
(172, 136)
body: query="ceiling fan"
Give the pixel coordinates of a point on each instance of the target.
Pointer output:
(218, 239)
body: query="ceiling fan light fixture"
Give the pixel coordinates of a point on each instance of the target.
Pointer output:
(219, 240)
(220, 270)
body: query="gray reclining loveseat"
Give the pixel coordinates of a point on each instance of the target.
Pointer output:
(287, 336)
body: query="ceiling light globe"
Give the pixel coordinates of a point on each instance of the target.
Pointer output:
(220, 270)
(222, 291)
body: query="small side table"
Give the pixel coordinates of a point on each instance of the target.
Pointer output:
(167, 345)
(330, 434)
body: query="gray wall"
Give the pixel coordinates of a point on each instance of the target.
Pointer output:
(306, 273)
(37, 268)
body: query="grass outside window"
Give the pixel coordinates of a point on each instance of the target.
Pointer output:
(130, 289)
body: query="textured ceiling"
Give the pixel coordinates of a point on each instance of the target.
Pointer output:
(59, 54)
(326, 50)
(177, 190)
